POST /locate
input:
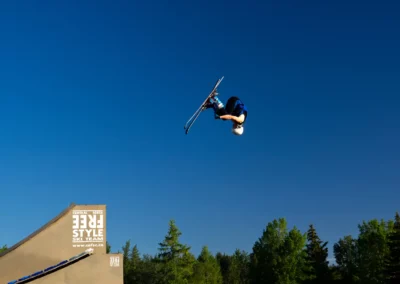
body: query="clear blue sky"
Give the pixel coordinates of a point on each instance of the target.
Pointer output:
(94, 96)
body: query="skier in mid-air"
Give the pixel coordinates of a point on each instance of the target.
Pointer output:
(235, 110)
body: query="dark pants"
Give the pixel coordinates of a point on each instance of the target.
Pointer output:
(228, 109)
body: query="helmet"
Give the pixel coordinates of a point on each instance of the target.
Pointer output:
(237, 129)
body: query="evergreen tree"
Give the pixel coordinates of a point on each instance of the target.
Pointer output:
(317, 258)
(233, 276)
(108, 247)
(151, 270)
(4, 248)
(136, 265)
(126, 252)
(234, 268)
(392, 263)
(225, 262)
(207, 269)
(176, 258)
(335, 275)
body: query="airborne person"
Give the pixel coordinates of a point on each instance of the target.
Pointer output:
(235, 110)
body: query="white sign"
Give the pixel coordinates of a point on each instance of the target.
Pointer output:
(87, 226)
(114, 261)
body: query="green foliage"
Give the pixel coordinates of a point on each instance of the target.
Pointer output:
(135, 265)
(127, 261)
(279, 256)
(363, 260)
(176, 258)
(335, 274)
(240, 267)
(225, 262)
(3, 248)
(317, 258)
(392, 261)
(373, 250)
(150, 271)
(346, 254)
(207, 269)
(234, 268)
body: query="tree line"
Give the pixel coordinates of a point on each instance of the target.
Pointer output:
(279, 256)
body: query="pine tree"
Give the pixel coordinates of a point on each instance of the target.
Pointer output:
(136, 265)
(151, 270)
(233, 276)
(392, 263)
(176, 258)
(207, 269)
(171, 248)
(126, 252)
(317, 258)
(4, 248)
(225, 263)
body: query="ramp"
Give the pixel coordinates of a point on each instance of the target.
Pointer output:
(74, 238)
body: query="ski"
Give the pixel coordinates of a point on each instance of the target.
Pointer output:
(194, 117)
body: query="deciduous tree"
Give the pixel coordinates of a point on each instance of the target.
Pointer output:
(346, 254)
(373, 249)
(279, 256)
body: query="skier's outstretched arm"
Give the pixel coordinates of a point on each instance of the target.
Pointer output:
(238, 119)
